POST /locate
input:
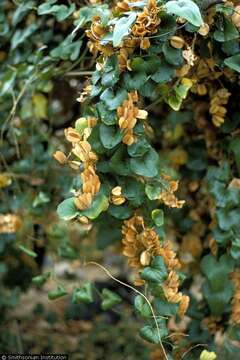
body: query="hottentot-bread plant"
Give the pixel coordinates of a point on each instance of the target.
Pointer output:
(160, 114)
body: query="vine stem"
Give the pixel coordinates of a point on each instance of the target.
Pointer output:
(206, 4)
(191, 348)
(139, 293)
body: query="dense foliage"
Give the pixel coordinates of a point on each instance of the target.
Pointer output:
(153, 158)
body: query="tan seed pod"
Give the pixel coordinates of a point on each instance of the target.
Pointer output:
(183, 70)
(142, 114)
(74, 165)
(145, 258)
(83, 219)
(236, 16)
(235, 183)
(83, 201)
(118, 200)
(177, 42)
(72, 135)
(204, 29)
(117, 191)
(145, 43)
(201, 89)
(60, 157)
(128, 139)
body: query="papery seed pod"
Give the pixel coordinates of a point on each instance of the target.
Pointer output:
(118, 200)
(145, 43)
(128, 138)
(204, 29)
(83, 219)
(201, 89)
(177, 42)
(72, 135)
(83, 201)
(145, 258)
(117, 191)
(236, 16)
(183, 71)
(60, 157)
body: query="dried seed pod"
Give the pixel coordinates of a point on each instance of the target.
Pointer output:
(83, 201)
(145, 43)
(60, 157)
(236, 16)
(117, 191)
(201, 89)
(204, 29)
(145, 258)
(177, 42)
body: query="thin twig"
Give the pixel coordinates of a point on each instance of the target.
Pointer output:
(191, 348)
(15, 104)
(79, 73)
(139, 293)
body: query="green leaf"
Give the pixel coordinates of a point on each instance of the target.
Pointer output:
(207, 355)
(110, 136)
(122, 28)
(99, 204)
(146, 165)
(226, 31)
(40, 199)
(142, 307)
(107, 117)
(151, 334)
(149, 66)
(186, 9)
(120, 211)
(109, 299)
(7, 81)
(174, 102)
(67, 209)
(67, 252)
(153, 191)
(157, 272)
(59, 292)
(165, 308)
(133, 191)
(233, 62)
(138, 148)
(40, 105)
(173, 56)
(21, 11)
(61, 12)
(113, 101)
(234, 146)
(21, 35)
(119, 162)
(217, 271)
(164, 74)
(80, 125)
(68, 49)
(228, 219)
(27, 251)
(134, 81)
(83, 294)
(218, 300)
(158, 217)
(41, 279)
(86, 13)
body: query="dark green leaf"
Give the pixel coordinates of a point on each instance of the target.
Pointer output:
(109, 299)
(83, 294)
